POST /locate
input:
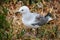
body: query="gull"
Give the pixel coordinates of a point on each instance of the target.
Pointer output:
(33, 20)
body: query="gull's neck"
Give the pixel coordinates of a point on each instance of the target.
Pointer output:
(26, 17)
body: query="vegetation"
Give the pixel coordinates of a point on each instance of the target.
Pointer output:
(11, 27)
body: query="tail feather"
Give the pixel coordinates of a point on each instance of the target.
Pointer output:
(49, 17)
(49, 14)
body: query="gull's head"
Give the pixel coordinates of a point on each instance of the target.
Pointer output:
(23, 10)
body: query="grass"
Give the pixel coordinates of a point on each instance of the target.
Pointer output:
(12, 28)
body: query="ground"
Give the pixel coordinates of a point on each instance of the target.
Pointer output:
(46, 32)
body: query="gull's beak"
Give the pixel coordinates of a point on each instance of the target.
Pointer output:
(17, 13)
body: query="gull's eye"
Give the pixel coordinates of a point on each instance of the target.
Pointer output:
(22, 10)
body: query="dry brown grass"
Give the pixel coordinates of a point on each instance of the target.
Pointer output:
(46, 32)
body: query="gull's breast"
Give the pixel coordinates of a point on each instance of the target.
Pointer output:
(28, 21)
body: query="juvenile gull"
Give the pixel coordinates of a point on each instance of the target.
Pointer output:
(33, 20)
